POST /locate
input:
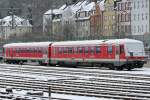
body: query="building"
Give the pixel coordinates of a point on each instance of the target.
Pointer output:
(83, 19)
(96, 21)
(52, 20)
(110, 26)
(11, 26)
(123, 20)
(140, 17)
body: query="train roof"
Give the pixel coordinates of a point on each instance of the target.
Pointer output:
(30, 44)
(96, 42)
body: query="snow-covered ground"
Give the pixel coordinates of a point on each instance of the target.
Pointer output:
(54, 95)
(27, 76)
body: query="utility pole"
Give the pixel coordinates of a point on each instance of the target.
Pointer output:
(11, 12)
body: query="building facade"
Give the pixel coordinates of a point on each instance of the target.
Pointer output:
(96, 21)
(140, 17)
(123, 20)
(11, 26)
(109, 18)
(83, 20)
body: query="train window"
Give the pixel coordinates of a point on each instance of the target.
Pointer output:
(60, 50)
(98, 49)
(65, 50)
(80, 50)
(35, 50)
(28, 50)
(86, 49)
(92, 49)
(75, 50)
(40, 49)
(110, 49)
(70, 50)
(19, 50)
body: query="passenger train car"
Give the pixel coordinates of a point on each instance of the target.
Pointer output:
(114, 53)
(24, 52)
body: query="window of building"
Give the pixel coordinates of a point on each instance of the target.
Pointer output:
(146, 3)
(142, 4)
(138, 28)
(142, 28)
(134, 5)
(142, 16)
(138, 16)
(138, 6)
(146, 16)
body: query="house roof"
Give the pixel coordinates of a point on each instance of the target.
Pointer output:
(18, 21)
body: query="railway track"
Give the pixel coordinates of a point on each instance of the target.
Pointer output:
(93, 82)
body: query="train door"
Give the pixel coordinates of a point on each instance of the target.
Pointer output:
(117, 55)
(45, 55)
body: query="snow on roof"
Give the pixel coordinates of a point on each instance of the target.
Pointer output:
(88, 7)
(18, 21)
(102, 5)
(31, 44)
(121, 41)
(75, 7)
(54, 11)
(63, 7)
(85, 42)
(96, 42)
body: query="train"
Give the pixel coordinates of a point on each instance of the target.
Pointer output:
(115, 54)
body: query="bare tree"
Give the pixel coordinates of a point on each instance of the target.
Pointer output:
(69, 31)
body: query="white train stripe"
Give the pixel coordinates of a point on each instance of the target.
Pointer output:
(85, 60)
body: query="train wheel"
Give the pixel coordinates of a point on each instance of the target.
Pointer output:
(119, 68)
(111, 67)
(140, 65)
(130, 67)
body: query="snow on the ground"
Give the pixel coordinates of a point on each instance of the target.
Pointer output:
(73, 97)
(55, 95)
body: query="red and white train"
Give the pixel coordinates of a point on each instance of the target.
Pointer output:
(114, 53)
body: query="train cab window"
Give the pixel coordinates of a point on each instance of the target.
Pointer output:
(109, 48)
(86, 49)
(98, 49)
(92, 50)
(70, 50)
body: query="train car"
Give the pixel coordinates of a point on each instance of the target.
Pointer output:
(24, 52)
(115, 54)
